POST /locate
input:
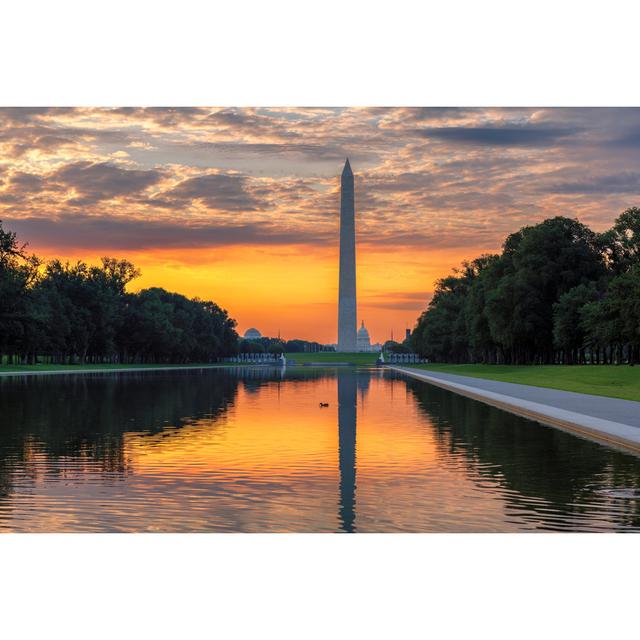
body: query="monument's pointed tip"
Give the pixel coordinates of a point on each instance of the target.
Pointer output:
(347, 168)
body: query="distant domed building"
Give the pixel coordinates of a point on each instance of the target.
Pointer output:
(363, 342)
(252, 334)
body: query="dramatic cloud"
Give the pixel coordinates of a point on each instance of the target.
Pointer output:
(30, 182)
(498, 136)
(16, 143)
(628, 139)
(605, 184)
(94, 182)
(225, 192)
(438, 176)
(163, 116)
(241, 205)
(122, 234)
(250, 122)
(23, 115)
(20, 185)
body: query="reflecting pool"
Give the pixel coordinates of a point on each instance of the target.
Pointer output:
(253, 450)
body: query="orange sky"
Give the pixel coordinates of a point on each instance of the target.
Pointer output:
(293, 290)
(241, 206)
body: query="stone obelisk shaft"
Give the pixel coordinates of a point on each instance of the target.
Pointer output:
(347, 289)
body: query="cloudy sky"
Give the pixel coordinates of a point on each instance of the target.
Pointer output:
(241, 205)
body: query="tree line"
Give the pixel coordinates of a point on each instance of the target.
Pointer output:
(276, 346)
(64, 313)
(558, 293)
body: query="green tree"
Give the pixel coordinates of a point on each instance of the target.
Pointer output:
(276, 348)
(18, 273)
(500, 308)
(622, 242)
(569, 331)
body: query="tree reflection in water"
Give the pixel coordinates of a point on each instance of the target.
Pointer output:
(239, 449)
(546, 471)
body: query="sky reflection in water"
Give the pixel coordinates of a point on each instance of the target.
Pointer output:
(231, 450)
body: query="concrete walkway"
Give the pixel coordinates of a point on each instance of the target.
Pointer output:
(608, 420)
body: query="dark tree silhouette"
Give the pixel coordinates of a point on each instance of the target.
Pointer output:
(558, 293)
(76, 313)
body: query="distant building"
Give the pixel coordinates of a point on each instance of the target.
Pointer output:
(363, 341)
(252, 334)
(407, 334)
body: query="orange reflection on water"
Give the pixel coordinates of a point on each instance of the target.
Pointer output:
(280, 429)
(252, 450)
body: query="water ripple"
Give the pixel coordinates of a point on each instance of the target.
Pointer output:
(230, 451)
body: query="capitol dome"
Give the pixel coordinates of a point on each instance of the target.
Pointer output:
(252, 334)
(363, 341)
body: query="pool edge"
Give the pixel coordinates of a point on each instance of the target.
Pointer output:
(572, 422)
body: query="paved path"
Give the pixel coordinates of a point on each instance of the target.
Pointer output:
(609, 420)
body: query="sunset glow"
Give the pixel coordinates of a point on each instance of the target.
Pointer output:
(240, 206)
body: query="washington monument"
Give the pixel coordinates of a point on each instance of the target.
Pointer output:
(347, 290)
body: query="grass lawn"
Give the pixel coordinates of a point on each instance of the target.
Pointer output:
(601, 380)
(327, 357)
(94, 367)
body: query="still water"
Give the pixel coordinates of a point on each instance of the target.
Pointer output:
(253, 450)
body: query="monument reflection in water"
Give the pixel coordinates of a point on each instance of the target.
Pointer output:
(251, 450)
(347, 411)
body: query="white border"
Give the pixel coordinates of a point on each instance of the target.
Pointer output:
(318, 586)
(330, 53)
